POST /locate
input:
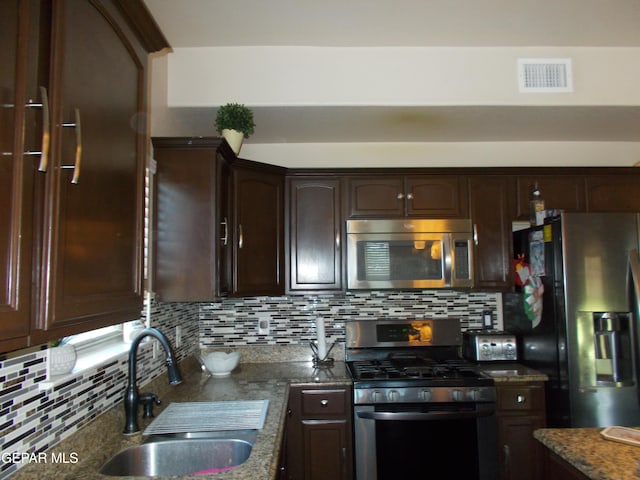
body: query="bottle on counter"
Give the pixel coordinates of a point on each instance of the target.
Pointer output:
(536, 207)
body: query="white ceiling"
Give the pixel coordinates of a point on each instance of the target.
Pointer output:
(607, 23)
(198, 23)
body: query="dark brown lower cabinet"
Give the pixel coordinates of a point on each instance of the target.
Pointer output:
(318, 443)
(521, 410)
(555, 468)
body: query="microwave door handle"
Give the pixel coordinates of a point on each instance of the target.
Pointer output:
(447, 258)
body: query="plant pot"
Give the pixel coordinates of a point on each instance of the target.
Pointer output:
(62, 359)
(234, 138)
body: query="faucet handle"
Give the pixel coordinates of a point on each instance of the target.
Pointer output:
(148, 400)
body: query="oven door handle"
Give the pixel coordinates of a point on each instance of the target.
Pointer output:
(412, 416)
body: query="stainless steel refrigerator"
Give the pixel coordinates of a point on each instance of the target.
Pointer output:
(586, 339)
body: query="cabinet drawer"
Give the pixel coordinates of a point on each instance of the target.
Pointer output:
(520, 397)
(324, 402)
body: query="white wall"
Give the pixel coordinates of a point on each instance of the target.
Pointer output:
(267, 76)
(442, 154)
(295, 76)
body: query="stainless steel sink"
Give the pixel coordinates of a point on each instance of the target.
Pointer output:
(182, 454)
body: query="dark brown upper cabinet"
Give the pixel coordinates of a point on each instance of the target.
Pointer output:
(490, 199)
(613, 193)
(257, 204)
(565, 192)
(582, 190)
(74, 230)
(435, 196)
(19, 23)
(191, 233)
(219, 222)
(314, 233)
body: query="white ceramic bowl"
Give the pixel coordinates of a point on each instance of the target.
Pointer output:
(221, 364)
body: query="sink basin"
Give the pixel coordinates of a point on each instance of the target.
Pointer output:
(180, 455)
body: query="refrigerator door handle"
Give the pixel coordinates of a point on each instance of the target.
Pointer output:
(634, 300)
(634, 266)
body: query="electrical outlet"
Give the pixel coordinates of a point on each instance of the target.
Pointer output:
(178, 336)
(487, 320)
(155, 345)
(263, 327)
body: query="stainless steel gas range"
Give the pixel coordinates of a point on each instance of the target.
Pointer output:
(420, 410)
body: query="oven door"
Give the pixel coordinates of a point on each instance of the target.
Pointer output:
(421, 441)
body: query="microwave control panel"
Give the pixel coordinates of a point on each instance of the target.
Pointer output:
(461, 260)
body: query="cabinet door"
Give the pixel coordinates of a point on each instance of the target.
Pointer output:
(318, 433)
(185, 233)
(19, 62)
(556, 468)
(314, 234)
(440, 196)
(92, 235)
(613, 193)
(521, 455)
(520, 411)
(376, 197)
(565, 192)
(192, 223)
(489, 199)
(325, 446)
(258, 203)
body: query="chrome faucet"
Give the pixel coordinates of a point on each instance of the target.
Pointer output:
(131, 397)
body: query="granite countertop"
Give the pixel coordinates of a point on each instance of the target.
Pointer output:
(588, 452)
(101, 439)
(258, 379)
(512, 373)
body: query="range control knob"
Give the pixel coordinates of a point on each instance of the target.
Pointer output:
(376, 396)
(425, 395)
(457, 395)
(473, 394)
(393, 396)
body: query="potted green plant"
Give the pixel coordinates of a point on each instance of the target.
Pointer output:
(234, 122)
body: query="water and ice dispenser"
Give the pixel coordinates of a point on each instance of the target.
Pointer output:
(613, 353)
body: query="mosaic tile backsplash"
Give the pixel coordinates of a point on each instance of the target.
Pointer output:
(291, 319)
(33, 418)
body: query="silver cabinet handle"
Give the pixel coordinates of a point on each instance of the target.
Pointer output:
(240, 236)
(400, 196)
(338, 240)
(507, 454)
(409, 196)
(78, 156)
(521, 398)
(475, 234)
(46, 130)
(225, 237)
(324, 402)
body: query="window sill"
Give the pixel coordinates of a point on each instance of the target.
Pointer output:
(87, 360)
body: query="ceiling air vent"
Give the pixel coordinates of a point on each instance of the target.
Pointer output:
(548, 75)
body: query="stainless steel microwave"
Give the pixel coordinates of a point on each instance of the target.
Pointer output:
(409, 254)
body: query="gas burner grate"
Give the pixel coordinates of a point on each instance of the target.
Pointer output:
(420, 368)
